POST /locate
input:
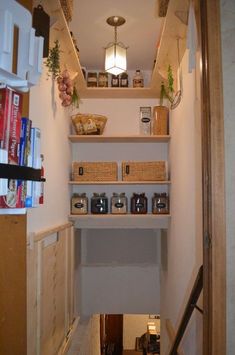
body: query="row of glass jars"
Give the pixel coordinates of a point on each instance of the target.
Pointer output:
(119, 203)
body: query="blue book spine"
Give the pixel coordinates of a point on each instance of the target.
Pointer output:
(24, 123)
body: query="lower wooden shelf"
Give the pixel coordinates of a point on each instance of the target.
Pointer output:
(110, 221)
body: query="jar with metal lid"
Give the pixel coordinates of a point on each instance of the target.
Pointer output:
(92, 79)
(103, 79)
(119, 203)
(79, 204)
(160, 203)
(124, 80)
(139, 204)
(99, 203)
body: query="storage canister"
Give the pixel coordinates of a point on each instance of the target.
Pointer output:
(119, 203)
(92, 79)
(79, 204)
(160, 203)
(99, 203)
(139, 203)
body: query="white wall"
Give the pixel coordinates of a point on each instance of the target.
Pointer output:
(135, 325)
(120, 289)
(47, 113)
(228, 57)
(181, 250)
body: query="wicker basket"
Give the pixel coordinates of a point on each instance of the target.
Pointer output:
(144, 171)
(87, 123)
(94, 171)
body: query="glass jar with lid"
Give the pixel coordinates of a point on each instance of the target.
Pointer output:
(119, 203)
(139, 203)
(99, 203)
(79, 204)
(160, 203)
(138, 80)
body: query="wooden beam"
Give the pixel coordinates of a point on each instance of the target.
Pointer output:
(214, 256)
(163, 6)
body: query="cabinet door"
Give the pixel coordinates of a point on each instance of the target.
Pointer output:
(50, 292)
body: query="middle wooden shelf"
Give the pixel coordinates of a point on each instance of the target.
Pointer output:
(120, 182)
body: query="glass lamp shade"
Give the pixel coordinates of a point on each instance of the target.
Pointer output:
(115, 59)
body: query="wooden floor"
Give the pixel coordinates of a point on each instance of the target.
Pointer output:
(131, 352)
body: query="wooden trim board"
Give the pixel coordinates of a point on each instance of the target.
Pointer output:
(214, 337)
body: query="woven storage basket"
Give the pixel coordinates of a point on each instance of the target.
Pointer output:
(144, 171)
(94, 171)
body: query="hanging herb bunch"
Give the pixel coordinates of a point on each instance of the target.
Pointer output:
(167, 91)
(53, 61)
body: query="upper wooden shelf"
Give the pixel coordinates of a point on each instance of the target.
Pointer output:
(118, 139)
(173, 34)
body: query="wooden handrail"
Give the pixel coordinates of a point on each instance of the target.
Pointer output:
(191, 305)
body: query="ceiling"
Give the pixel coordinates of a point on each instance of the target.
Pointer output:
(140, 33)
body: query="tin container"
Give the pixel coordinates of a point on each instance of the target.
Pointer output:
(79, 204)
(99, 203)
(139, 204)
(160, 203)
(119, 203)
(145, 120)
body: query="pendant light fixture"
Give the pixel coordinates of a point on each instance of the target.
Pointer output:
(115, 52)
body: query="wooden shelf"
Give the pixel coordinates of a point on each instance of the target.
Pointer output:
(120, 182)
(129, 221)
(118, 139)
(117, 93)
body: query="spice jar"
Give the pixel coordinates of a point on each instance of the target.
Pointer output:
(91, 79)
(139, 204)
(124, 80)
(79, 204)
(115, 81)
(160, 203)
(103, 79)
(138, 80)
(99, 203)
(119, 203)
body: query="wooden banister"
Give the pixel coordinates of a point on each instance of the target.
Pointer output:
(191, 305)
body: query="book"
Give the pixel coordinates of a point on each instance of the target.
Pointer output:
(11, 107)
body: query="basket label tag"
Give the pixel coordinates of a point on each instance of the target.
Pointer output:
(127, 169)
(80, 170)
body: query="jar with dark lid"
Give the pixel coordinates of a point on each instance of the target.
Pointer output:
(79, 204)
(139, 204)
(160, 203)
(99, 203)
(92, 79)
(124, 80)
(115, 81)
(119, 203)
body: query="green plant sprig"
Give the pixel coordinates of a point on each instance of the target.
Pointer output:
(53, 61)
